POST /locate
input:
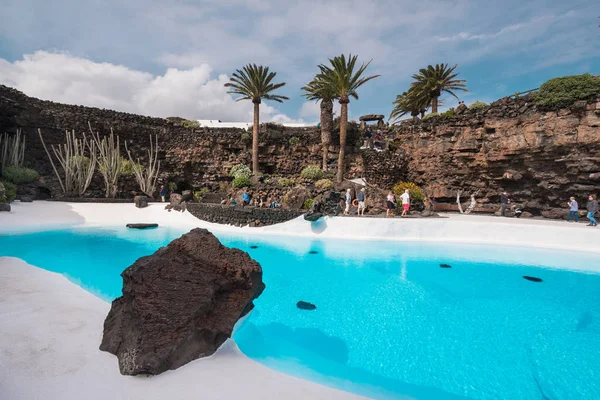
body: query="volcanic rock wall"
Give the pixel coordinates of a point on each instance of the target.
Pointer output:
(540, 158)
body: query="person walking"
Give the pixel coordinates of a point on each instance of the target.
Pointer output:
(361, 202)
(592, 208)
(348, 202)
(405, 202)
(390, 203)
(573, 209)
(162, 193)
(504, 202)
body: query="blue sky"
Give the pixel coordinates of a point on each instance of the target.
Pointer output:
(166, 58)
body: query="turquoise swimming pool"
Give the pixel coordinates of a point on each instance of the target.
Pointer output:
(390, 322)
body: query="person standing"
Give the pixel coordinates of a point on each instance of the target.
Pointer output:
(573, 209)
(245, 199)
(162, 193)
(390, 203)
(504, 202)
(405, 202)
(348, 202)
(592, 208)
(361, 202)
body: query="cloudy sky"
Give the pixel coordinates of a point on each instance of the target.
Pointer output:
(172, 57)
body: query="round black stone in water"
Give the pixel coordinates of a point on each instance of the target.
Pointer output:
(313, 252)
(532, 278)
(254, 247)
(303, 305)
(445, 266)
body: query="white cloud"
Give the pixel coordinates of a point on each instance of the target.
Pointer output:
(189, 93)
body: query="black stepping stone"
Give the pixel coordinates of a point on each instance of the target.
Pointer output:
(303, 305)
(313, 252)
(445, 266)
(532, 278)
(141, 226)
(254, 247)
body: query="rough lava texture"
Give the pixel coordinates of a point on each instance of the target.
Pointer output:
(180, 304)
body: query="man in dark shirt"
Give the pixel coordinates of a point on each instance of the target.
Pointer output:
(504, 202)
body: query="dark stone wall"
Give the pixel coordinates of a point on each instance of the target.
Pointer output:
(241, 216)
(189, 157)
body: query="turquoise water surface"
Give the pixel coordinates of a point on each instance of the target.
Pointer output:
(389, 321)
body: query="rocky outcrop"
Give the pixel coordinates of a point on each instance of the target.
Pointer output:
(540, 158)
(140, 201)
(241, 216)
(4, 207)
(295, 198)
(180, 304)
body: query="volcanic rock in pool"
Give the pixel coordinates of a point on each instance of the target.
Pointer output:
(313, 252)
(254, 247)
(445, 266)
(180, 303)
(303, 305)
(532, 278)
(141, 226)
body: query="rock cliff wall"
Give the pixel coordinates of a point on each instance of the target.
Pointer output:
(540, 158)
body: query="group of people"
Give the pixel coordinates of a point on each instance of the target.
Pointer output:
(371, 141)
(248, 200)
(359, 202)
(591, 207)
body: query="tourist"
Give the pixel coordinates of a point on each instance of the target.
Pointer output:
(361, 202)
(162, 193)
(348, 202)
(378, 141)
(405, 202)
(504, 201)
(368, 135)
(232, 202)
(573, 210)
(245, 199)
(592, 208)
(390, 203)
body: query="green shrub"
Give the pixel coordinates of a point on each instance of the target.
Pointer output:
(129, 168)
(198, 194)
(19, 175)
(478, 105)
(284, 182)
(294, 141)
(308, 203)
(430, 115)
(312, 172)
(563, 92)
(172, 186)
(241, 181)
(448, 113)
(246, 137)
(240, 170)
(10, 189)
(324, 184)
(190, 124)
(414, 191)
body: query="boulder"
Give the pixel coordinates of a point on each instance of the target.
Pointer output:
(295, 198)
(4, 207)
(526, 214)
(555, 213)
(25, 199)
(175, 199)
(140, 201)
(312, 216)
(187, 195)
(180, 304)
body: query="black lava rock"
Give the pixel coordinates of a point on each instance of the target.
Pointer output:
(532, 278)
(142, 226)
(303, 305)
(445, 266)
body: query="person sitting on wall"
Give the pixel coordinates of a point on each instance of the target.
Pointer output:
(245, 199)
(379, 141)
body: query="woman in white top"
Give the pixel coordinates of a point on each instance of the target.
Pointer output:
(405, 202)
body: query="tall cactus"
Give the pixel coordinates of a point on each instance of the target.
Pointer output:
(146, 176)
(12, 150)
(109, 160)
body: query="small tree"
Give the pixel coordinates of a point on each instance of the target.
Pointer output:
(78, 169)
(109, 160)
(146, 176)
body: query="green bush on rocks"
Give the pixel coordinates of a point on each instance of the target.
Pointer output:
(241, 181)
(562, 92)
(20, 175)
(414, 191)
(10, 191)
(312, 172)
(478, 105)
(324, 184)
(240, 170)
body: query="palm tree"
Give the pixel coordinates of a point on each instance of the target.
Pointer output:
(430, 82)
(318, 90)
(254, 82)
(344, 79)
(408, 103)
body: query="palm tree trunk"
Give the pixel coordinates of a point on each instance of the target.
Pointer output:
(326, 126)
(255, 140)
(343, 126)
(434, 104)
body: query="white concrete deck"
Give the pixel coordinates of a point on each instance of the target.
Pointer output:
(50, 329)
